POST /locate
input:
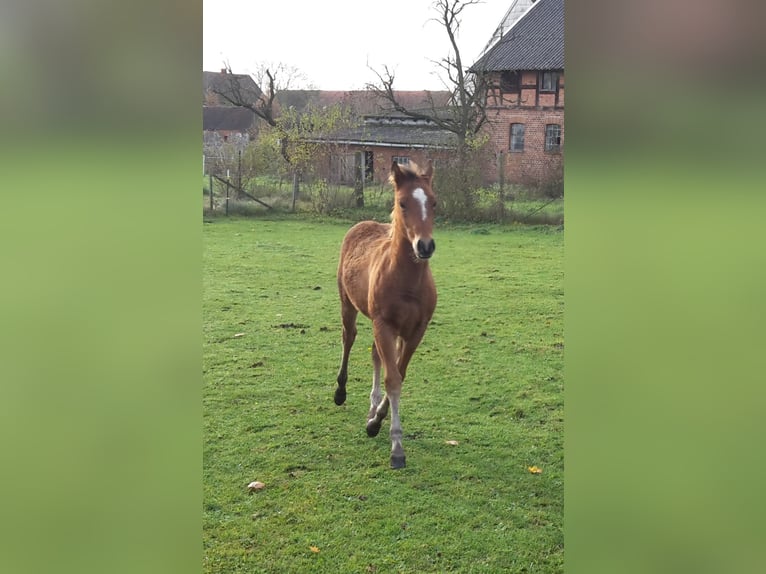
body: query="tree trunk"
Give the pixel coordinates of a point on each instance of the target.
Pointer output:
(359, 179)
(296, 189)
(464, 183)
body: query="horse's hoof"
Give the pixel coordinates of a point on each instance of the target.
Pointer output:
(397, 461)
(373, 427)
(340, 396)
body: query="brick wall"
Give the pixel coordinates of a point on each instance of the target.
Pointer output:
(535, 109)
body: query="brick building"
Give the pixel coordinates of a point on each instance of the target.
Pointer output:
(383, 139)
(525, 100)
(226, 128)
(380, 138)
(524, 66)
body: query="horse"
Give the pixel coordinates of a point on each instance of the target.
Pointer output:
(384, 273)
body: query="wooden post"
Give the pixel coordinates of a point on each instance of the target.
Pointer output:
(295, 187)
(501, 172)
(359, 178)
(239, 172)
(211, 192)
(227, 193)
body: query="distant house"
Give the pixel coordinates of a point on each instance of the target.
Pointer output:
(225, 132)
(226, 129)
(224, 124)
(217, 85)
(525, 98)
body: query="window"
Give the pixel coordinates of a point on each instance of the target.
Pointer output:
(548, 81)
(517, 137)
(552, 137)
(509, 82)
(401, 159)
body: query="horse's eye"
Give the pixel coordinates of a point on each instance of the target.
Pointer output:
(401, 204)
(433, 204)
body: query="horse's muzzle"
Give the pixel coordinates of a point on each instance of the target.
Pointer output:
(425, 248)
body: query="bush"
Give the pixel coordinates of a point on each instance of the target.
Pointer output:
(326, 199)
(553, 188)
(457, 185)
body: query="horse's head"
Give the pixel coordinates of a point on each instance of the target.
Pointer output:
(414, 203)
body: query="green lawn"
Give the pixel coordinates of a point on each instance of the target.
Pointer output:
(488, 375)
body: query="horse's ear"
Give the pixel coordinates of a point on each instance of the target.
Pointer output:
(429, 173)
(397, 175)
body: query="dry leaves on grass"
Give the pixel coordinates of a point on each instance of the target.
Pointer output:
(255, 485)
(238, 335)
(535, 470)
(314, 549)
(452, 442)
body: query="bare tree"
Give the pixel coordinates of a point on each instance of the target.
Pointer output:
(466, 113)
(464, 116)
(289, 77)
(261, 102)
(299, 134)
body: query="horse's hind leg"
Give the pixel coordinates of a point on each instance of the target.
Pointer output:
(348, 315)
(373, 417)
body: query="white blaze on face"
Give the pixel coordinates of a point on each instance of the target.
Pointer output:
(420, 195)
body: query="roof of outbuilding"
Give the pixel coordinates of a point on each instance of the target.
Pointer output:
(401, 135)
(362, 102)
(226, 118)
(535, 42)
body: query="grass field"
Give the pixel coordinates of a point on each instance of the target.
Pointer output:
(488, 375)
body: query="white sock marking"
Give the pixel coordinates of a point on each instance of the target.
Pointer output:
(420, 195)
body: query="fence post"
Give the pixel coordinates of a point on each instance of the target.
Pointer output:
(359, 178)
(211, 192)
(239, 173)
(501, 171)
(227, 193)
(295, 187)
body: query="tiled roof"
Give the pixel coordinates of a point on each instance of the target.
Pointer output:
(226, 118)
(362, 102)
(535, 42)
(405, 135)
(516, 11)
(213, 82)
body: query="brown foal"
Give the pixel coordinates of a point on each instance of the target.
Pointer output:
(384, 273)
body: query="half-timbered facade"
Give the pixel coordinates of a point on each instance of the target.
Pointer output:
(525, 98)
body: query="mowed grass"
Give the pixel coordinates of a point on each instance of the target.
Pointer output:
(488, 375)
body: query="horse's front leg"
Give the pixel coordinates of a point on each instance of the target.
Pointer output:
(378, 411)
(385, 341)
(393, 392)
(404, 352)
(373, 423)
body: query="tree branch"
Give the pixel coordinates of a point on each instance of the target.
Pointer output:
(263, 106)
(467, 112)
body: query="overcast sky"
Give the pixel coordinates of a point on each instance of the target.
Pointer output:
(332, 41)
